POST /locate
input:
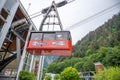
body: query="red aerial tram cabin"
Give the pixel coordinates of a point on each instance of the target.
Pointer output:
(50, 43)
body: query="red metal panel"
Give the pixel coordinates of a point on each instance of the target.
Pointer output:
(56, 45)
(49, 44)
(34, 44)
(50, 47)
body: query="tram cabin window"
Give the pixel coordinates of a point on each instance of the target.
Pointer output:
(36, 36)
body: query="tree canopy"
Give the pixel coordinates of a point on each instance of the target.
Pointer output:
(69, 73)
(110, 73)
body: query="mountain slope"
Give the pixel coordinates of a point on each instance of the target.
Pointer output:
(107, 35)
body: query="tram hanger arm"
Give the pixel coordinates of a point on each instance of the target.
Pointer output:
(60, 4)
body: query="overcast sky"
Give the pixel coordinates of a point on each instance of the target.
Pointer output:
(78, 15)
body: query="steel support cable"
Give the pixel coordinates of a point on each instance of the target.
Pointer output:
(35, 13)
(58, 5)
(43, 11)
(68, 1)
(93, 16)
(35, 16)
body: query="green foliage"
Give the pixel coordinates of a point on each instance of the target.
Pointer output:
(25, 75)
(101, 53)
(43, 73)
(89, 52)
(57, 67)
(111, 73)
(56, 77)
(70, 73)
(79, 66)
(88, 66)
(112, 57)
(52, 67)
(109, 56)
(48, 77)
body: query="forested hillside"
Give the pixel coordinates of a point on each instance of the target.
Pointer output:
(101, 45)
(107, 35)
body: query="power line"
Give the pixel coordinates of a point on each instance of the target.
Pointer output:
(93, 16)
(35, 13)
(70, 1)
(35, 16)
